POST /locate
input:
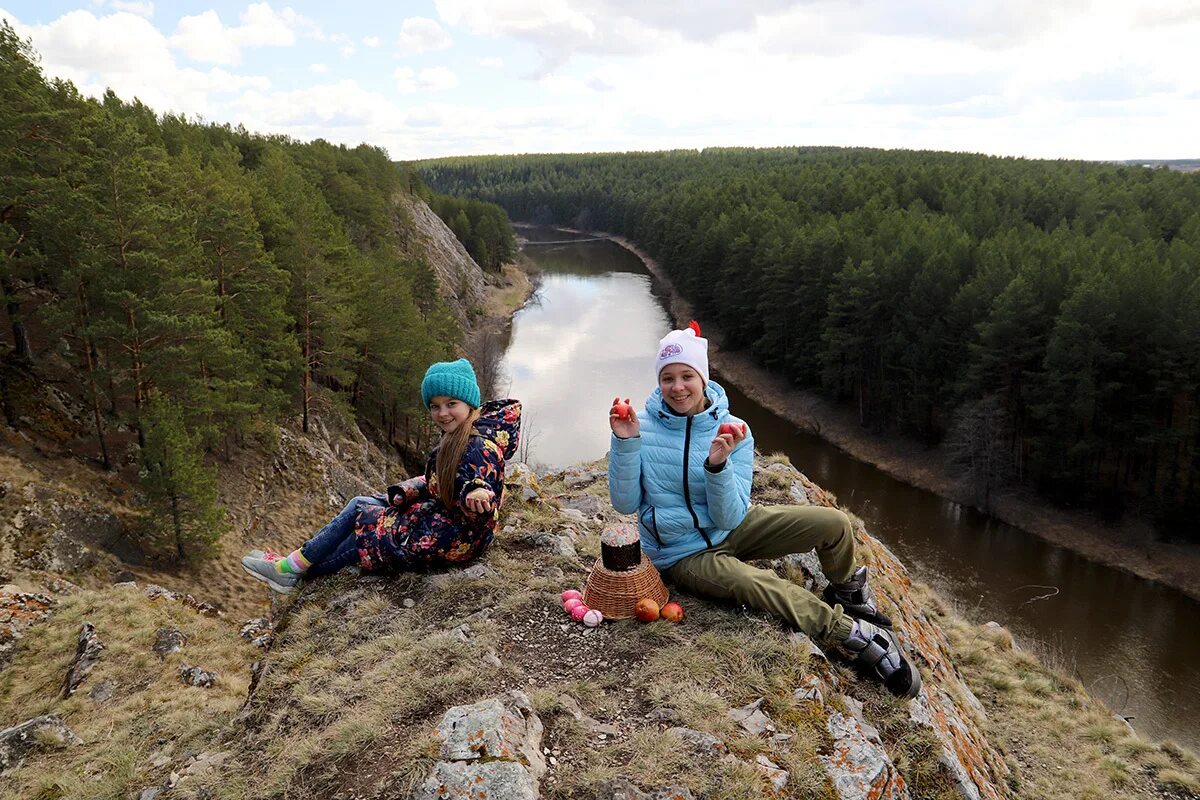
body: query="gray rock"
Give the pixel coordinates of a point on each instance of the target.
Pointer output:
(774, 774)
(150, 793)
(589, 504)
(493, 780)
(491, 659)
(752, 719)
(19, 741)
(591, 724)
(625, 789)
(858, 767)
(195, 676)
(797, 494)
(574, 480)
(167, 641)
(703, 743)
(409, 603)
(921, 712)
(462, 633)
(474, 572)
(809, 689)
(102, 692)
(553, 543)
(808, 644)
(664, 714)
(87, 652)
(573, 515)
(258, 631)
(503, 728)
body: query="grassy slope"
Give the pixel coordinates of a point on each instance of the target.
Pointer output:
(356, 680)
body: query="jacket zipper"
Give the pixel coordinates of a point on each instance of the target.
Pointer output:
(687, 493)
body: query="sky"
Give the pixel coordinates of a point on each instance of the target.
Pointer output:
(1091, 79)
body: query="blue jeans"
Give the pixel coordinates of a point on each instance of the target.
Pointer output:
(334, 546)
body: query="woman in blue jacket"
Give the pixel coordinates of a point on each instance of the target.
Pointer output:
(690, 487)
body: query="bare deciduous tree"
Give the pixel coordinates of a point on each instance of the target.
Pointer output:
(978, 443)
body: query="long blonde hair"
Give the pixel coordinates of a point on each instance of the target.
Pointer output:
(449, 453)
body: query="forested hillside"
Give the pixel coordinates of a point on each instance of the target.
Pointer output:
(191, 284)
(1040, 318)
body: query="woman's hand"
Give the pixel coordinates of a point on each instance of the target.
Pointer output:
(724, 444)
(480, 500)
(625, 428)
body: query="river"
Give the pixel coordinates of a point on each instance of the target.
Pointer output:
(589, 334)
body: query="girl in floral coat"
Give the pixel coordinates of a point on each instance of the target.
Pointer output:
(448, 515)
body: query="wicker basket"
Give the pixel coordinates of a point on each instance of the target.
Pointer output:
(615, 594)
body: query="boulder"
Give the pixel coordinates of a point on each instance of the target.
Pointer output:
(19, 741)
(857, 765)
(704, 744)
(498, 729)
(553, 543)
(589, 504)
(493, 780)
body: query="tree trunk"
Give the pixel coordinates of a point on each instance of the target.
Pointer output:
(177, 523)
(89, 360)
(306, 377)
(22, 352)
(10, 414)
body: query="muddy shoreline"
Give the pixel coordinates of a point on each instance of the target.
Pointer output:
(1128, 546)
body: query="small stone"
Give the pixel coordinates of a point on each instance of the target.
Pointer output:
(102, 692)
(167, 641)
(150, 793)
(777, 777)
(195, 676)
(752, 719)
(809, 689)
(704, 743)
(409, 602)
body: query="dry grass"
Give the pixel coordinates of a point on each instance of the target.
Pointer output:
(151, 711)
(1062, 742)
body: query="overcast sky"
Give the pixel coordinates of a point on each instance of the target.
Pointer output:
(1039, 78)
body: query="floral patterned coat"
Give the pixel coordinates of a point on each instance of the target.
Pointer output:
(416, 530)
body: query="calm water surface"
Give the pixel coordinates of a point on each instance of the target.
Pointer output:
(590, 334)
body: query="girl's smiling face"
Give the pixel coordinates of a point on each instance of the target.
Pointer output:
(448, 412)
(682, 388)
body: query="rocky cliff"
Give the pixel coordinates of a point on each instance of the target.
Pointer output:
(472, 683)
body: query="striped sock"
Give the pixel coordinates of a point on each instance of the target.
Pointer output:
(293, 564)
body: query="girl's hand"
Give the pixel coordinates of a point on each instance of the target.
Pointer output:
(723, 445)
(624, 428)
(480, 500)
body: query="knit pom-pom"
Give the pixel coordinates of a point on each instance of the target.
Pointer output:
(695, 327)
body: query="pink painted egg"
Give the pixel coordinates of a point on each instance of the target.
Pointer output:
(579, 612)
(593, 618)
(571, 594)
(572, 604)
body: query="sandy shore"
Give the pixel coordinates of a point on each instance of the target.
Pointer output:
(1128, 545)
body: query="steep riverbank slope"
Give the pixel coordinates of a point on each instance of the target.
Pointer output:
(413, 685)
(1130, 546)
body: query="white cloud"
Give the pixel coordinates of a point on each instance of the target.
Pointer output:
(126, 53)
(431, 79)
(491, 62)
(319, 69)
(203, 37)
(372, 41)
(422, 35)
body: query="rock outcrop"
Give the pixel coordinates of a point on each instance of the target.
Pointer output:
(460, 279)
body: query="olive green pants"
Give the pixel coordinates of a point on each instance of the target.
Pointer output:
(774, 532)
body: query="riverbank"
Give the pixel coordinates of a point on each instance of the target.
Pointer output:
(1128, 546)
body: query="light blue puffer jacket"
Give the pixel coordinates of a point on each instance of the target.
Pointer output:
(646, 475)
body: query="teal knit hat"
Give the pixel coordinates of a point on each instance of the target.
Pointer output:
(451, 379)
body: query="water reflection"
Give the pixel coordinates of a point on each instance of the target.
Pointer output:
(592, 332)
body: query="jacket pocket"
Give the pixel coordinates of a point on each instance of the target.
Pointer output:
(649, 520)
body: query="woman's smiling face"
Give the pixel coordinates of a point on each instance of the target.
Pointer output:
(682, 388)
(448, 412)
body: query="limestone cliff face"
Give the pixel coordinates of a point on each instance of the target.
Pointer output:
(425, 236)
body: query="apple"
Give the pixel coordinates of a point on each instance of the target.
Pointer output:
(672, 612)
(570, 594)
(646, 610)
(622, 410)
(572, 604)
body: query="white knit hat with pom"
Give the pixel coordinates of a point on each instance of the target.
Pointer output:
(683, 347)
